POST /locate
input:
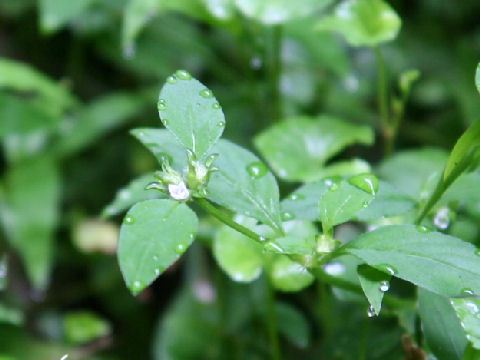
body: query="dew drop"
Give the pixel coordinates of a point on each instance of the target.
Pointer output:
(137, 285)
(286, 216)
(365, 182)
(172, 79)
(164, 157)
(192, 236)
(371, 312)
(165, 122)
(157, 271)
(365, 204)
(467, 291)
(474, 308)
(161, 105)
(388, 269)
(262, 239)
(257, 169)
(296, 197)
(216, 106)
(423, 229)
(272, 246)
(183, 75)
(221, 124)
(128, 220)
(384, 286)
(206, 93)
(180, 248)
(442, 218)
(334, 268)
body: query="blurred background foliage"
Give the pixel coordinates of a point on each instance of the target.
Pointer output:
(76, 75)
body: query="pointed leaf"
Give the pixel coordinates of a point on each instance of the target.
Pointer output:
(163, 144)
(363, 22)
(374, 284)
(56, 13)
(443, 332)
(297, 148)
(437, 262)
(244, 185)
(154, 234)
(82, 327)
(468, 311)
(190, 111)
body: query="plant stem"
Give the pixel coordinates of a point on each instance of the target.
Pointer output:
(383, 102)
(276, 72)
(227, 220)
(272, 321)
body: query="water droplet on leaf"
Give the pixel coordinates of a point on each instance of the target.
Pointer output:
(286, 216)
(128, 220)
(257, 169)
(180, 248)
(172, 79)
(216, 106)
(206, 93)
(467, 291)
(165, 122)
(183, 75)
(192, 236)
(157, 271)
(442, 218)
(365, 182)
(388, 269)
(371, 312)
(161, 105)
(384, 286)
(423, 229)
(221, 123)
(137, 285)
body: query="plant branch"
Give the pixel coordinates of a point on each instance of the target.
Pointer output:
(382, 93)
(272, 321)
(227, 220)
(276, 72)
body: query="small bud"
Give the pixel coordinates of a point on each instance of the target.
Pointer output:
(179, 191)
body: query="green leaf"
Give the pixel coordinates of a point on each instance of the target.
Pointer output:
(477, 78)
(244, 185)
(163, 144)
(10, 315)
(297, 148)
(96, 118)
(468, 310)
(24, 78)
(240, 257)
(464, 153)
(465, 189)
(32, 199)
(131, 194)
(437, 262)
(287, 275)
(56, 13)
(374, 284)
(84, 326)
(292, 324)
(342, 202)
(293, 245)
(471, 353)
(153, 235)
(363, 22)
(443, 332)
(190, 111)
(388, 202)
(272, 12)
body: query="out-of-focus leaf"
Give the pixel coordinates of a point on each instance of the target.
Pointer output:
(342, 202)
(220, 9)
(293, 245)
(363, 22)
(95, 119)
(190, 112)
(96, 235)
(443, 332)
(287, 275)
(466, 189)
(56, 13)
(131, 194)
(468, 310)
(471, 353)
(477, 78)
(374, 284)
(388, 202)
(272, 12)
(410, 170)
(154, 234)
(24, 78)
(437, 262)
(163, 144)
(84, 326)
(297, 148)
(240, 257)
(244, 185)
(3, 272)
(32, 193)
(10, 315)
(292, 324)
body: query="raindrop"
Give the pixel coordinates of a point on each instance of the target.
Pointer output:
(128, 220)
(442, 218)
(206, 93)
(183, 75)
(164, 157)
(172, 79)
(365, 182)
(179, 191)
(388, 269)
(295, 197)
(257, 169)
(371, 312)
(157, 271)
(273, 247)
(165, 122)
(137, 285)
(180, 249)
(334, 268)
(467, 291)
(216, 105)
(384, 286)
(262, 239)
(474, 309)
(286, 216)
(192, 236)
(423, 229)
(162, 105)
(221, 124)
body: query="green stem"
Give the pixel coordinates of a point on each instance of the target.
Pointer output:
(227, 220)
(276, 71)
(383, 101)
(272, 322)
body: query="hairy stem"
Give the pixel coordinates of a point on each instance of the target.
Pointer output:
(382, 100)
